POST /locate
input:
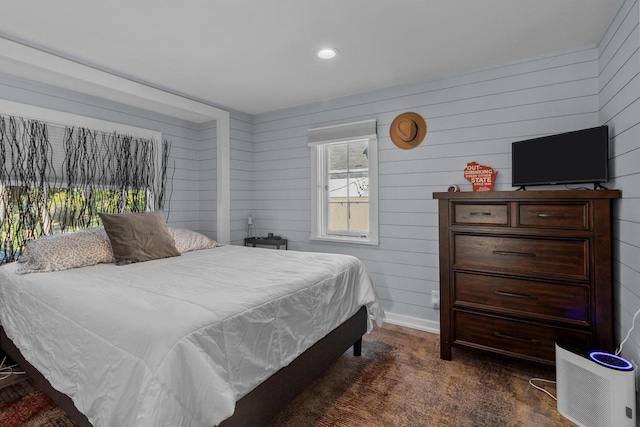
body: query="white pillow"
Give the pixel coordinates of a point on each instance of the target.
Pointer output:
(66, 250)
(188, 240)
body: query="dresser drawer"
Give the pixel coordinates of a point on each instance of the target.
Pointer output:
(534, 299)
(544, 215)
(528, 340)
(480, 214)
(540, 257)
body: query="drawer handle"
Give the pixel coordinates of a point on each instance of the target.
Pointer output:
(544, 215)
(480, 213)
(510, 253)
(510, 294)
(529, 340)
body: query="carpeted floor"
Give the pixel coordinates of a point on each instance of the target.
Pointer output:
(23, 405)
(399, 381)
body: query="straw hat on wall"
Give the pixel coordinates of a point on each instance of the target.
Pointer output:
(408, 130)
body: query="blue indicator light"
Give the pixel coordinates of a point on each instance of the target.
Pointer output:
(611, 361)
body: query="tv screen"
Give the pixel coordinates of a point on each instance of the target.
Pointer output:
(575, 157)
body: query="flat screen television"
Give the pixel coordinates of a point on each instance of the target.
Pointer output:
(580, 156)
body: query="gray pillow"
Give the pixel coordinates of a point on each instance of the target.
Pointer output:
(137, 237)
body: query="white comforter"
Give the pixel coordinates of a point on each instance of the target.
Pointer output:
(176, 342)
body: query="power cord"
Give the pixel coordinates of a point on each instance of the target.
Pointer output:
(633, 323)
(7, 371)
(540, 388)
(618, 351)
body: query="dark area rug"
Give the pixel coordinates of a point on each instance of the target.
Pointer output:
(399, 381)
(23, 405)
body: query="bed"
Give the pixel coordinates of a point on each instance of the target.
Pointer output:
(224, 336)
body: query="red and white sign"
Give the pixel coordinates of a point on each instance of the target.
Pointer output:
(481, 177)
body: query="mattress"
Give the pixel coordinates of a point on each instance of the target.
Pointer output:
(176, 342)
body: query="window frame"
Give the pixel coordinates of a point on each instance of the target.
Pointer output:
(320, 183)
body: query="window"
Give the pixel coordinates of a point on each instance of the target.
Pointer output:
(27, 212)
(344, 178)
(55, 178)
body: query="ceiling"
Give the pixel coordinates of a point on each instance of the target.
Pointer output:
(257, 56)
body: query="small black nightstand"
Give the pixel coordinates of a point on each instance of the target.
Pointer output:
(267, 241)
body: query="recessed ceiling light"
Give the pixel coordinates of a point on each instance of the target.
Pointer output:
(327, 53)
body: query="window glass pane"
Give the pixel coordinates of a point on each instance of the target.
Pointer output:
(337, 186)
(107, 200)
(348, 182)
(67, 209)
(358, 155)
(359, 220)
(136, 200)
(338, 217)
(23, 215)
(358, 188)
(20, 216)
(338, 158)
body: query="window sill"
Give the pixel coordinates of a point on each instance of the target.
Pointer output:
(351, 240)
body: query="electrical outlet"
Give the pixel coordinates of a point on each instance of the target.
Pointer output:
(435, 299)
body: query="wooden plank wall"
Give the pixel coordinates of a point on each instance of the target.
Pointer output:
(472, 117)
(619, 107)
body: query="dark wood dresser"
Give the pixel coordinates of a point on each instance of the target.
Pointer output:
(522, 270)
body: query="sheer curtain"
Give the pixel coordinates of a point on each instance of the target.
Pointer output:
(56, 178)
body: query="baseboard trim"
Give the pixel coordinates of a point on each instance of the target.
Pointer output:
(413, 322)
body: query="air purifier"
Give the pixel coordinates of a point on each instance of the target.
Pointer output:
(595, 388)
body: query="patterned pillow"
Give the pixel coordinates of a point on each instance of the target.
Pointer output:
(187, 240)
(66, 250)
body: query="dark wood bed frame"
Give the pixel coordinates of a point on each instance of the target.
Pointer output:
(259, 406)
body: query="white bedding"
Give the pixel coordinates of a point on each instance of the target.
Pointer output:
(176, 342)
